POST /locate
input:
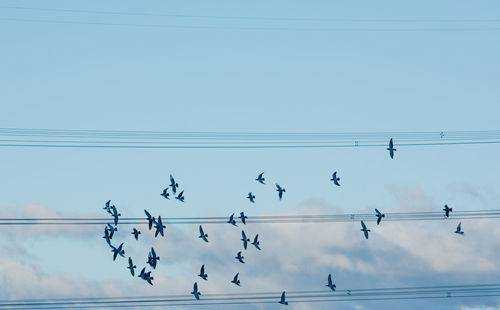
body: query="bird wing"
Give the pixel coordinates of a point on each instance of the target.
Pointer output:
(201, 231)
(363, 225)
(147, 214)
(366, 233)
(329, 280)
(202, 270)
(378, 212)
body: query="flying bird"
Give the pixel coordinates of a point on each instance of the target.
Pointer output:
(335, 179)
(330, 284)
(459, 229)
(165, 194)
(117, 251)
(379, 216)
(391, 148)
(282, 301)
(106, 235)
(115, 214)
(231, 220)
(111, 230)
(364, 230)
(147, 277)
(261, 178)
(280, 191)
(243, 218)
(235, 279)
(203, 235)
(251, 197)
(136, 233)
(202, 274)
(256, 242)
(151, 219)
(240, 258)
(173, 184)
(131, 266)
(152, 258)
(447, 210)
(195, 291)
(108, 207)
(244, 239)
(180, 197)
(142, 274)
(159, 227)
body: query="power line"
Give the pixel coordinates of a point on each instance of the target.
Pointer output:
(373, 294)
(268, 219)
(250, 28)
(64, 138)
(260, 18)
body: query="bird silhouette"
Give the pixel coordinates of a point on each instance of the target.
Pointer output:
(244, 239)
(173, 184)
(203, 235)
(243, 218)
(256, 242)
(231, 220)
(195, 291)
(280, 191)
(379, 216)
(261, 178)
(180, 197)
(202, 274)
(330, 284)
(131, 266)
(364, 230)
(282, 300)
(391, 148)
(459, 229)
(165, 194)
(335, 179)
(235, 279)
(239, 257)
(447, 210)
(151, 219)
(251, 197)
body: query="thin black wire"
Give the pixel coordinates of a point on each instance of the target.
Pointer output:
(275, 219)
(442, 288)
(353, 145)
(243, 17)
(464, 288)
(209, 27)
(202, 303)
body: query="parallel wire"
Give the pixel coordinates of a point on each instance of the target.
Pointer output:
(53, 138)
(269, 219)
(376, 294)
(121, 13)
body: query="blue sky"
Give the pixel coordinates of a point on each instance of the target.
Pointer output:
(76, 76)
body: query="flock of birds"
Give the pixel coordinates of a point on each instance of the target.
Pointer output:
(157, 223)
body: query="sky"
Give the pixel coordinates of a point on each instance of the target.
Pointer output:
(373, 66)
